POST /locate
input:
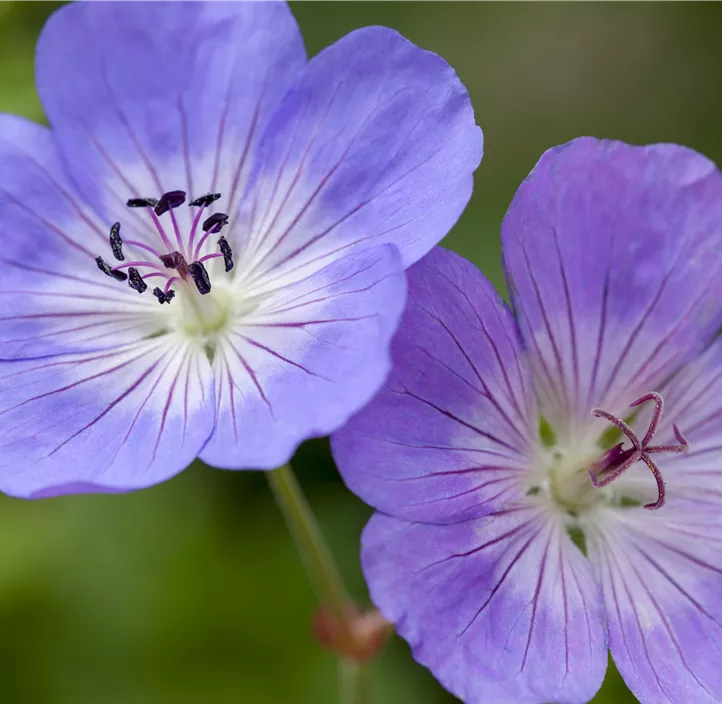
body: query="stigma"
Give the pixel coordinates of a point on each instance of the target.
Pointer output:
(617, 460)
(175, 258)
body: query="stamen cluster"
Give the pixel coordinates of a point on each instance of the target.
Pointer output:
(176, 257)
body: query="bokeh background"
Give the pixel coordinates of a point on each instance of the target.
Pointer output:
(191, 593)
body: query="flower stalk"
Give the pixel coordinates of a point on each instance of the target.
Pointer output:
(354, 683)
(325, 576)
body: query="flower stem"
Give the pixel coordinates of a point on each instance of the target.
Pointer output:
(354, 684)
(322, 569)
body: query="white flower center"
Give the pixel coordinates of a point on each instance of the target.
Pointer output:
(203, 316)
(569, 485)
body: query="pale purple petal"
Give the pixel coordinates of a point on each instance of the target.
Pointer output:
(501, 609)
(307, 358)
(614, 262)
(452, 434)
(375, 143)
(112, 420)
(148, 97)
(53, 297)
(662, 578)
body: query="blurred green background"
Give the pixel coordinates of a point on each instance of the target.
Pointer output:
(191, 592)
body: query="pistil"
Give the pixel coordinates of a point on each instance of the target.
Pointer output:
(617, 460)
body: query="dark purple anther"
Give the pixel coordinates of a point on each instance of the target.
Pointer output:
(105, 268)
(226, 252)
(219, 219)
(617, 461)
(175, 260)
(200, 277)
(169, 200)
(142, 203)
(163, 296)
(205, 199)
(116, 242)
(175, 251)
(135, 280)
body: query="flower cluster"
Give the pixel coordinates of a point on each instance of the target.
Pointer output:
(205, 254)
(171, 122)
(520, 534)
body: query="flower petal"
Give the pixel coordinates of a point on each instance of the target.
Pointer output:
(501, 609)
(113, 420)
(305, 360)
(614, 261)
(376, 142)
(662, 574)
(451, 435)
(147, 98)
(53, 297)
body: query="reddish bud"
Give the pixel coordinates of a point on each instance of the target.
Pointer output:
(369, 631)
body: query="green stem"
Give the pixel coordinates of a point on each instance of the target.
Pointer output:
(314, 551)
(354, 683)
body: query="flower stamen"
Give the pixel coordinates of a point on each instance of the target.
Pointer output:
(163, 296)
(109, 271)
(135, 280)
(143, 246)
(142, 203)
(159, 227)
(211, 225)
(616, 461)
(201, 203)
(169, 283)
(175, 258)
(226, 252)
(169, 201)
(116, 242)
(205, 200)
(200, 277)
(151, 265)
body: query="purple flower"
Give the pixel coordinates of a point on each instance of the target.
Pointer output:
(508, 568)
(204, 255)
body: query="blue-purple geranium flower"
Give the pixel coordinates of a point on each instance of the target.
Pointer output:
(246, 299)
(521, 533)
